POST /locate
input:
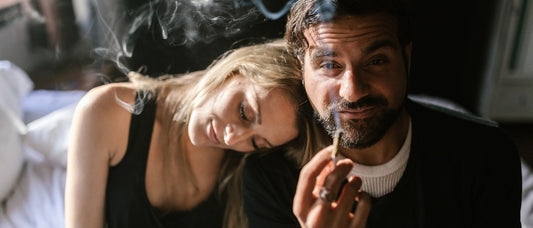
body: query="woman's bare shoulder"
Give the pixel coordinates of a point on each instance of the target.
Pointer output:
(106, 96)
(100, 118)
(103, 106)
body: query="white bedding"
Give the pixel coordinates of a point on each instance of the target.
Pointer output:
(35, 128)
(37, 200)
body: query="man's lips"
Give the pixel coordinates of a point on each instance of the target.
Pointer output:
(357, 113)
(213, 134)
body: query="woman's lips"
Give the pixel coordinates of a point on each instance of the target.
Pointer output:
(358, 113)
(213, 134)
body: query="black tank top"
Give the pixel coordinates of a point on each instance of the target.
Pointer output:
(127, 203)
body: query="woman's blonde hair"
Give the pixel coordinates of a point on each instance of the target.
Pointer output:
(271, 66)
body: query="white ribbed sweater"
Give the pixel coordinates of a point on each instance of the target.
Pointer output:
(381, 179)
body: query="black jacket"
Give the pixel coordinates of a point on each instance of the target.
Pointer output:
(462, 172)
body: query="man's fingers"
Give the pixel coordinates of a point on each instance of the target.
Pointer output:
(304, 197)
(364, 204)
(349, 192)
(334, 180)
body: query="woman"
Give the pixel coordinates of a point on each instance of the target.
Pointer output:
(161, 153)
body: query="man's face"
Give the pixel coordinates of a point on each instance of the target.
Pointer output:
(355, 64)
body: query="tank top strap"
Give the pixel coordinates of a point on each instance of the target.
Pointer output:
(140, 132)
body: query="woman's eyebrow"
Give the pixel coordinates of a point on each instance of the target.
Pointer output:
(257, 107)
(258, 117)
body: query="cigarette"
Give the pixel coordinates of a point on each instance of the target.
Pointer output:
(335, 151)
(338, 129)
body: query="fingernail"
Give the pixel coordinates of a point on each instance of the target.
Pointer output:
(345, 166)
(344, 161)
(355, 182)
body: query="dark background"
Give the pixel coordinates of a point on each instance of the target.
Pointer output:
(451, 43)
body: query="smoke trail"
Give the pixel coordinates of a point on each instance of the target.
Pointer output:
(273, 15)
(326, 9)
(183, 23)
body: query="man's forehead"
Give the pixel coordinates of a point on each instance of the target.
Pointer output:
(366, 46)
(350, 27)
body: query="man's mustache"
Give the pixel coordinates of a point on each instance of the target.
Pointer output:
(361, 103)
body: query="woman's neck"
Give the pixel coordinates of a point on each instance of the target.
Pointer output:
(186, 175)
(205, 162)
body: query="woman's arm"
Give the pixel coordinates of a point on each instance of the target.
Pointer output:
(98, 134)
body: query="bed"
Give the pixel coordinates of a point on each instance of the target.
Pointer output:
(34, 134)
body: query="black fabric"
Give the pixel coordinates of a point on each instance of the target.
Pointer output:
(127, 203)
(462, 172)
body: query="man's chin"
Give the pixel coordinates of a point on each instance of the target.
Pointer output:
(358, 139)
(361, 134)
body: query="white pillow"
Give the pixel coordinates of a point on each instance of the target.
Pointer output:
(48, 136)
(40, 102)
(14, 86)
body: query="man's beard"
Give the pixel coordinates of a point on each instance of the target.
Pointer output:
(360, 133)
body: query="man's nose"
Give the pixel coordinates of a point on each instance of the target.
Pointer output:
(352, 86)
(234, 134)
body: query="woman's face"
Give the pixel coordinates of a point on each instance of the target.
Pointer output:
(243, 116)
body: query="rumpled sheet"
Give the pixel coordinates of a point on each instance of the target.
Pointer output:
(38, 199)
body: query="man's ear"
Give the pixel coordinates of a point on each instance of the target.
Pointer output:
(300, 59)
(301, 67)
(408, 53)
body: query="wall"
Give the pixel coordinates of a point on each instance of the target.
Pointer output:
(14, 35)
(509, 93)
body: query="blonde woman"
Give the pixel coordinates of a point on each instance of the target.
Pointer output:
(168, 152)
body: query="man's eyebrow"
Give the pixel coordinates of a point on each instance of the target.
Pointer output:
(322, 52)
(319, 52)
(380, 44)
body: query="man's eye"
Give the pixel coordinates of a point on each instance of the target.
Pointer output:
(377, 62)
(242, 112)
(328, 65)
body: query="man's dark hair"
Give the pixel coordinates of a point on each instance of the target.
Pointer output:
(306, 13)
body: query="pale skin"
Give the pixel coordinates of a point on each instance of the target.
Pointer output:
(351, 57)
(99, 137)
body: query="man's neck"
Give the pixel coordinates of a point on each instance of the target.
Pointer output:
(386, 148)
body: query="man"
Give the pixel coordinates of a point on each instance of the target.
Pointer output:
(422, 165)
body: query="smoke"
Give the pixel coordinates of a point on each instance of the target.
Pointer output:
(326, 9)
(183, 23)
(273, 15)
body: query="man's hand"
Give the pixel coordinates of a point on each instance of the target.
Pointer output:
(317, 202)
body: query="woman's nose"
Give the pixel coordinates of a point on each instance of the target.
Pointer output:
(234, 134)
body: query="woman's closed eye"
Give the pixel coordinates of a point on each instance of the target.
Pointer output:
(254, 144)
(260, 143)
(243, 112)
